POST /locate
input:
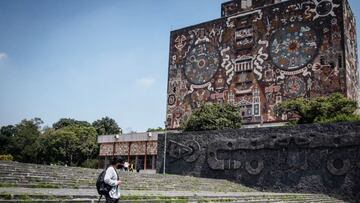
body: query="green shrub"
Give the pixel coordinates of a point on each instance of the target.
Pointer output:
(6, 157)
(334, 108)
(90, 163)
(342, 118)
(213, 117)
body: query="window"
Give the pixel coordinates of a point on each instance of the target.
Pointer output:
(245, 4)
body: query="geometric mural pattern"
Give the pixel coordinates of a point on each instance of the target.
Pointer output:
(122, 148)
(260, 53)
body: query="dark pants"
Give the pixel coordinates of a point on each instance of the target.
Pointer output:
(111, 200)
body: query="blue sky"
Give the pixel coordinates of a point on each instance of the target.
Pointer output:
(87, 59)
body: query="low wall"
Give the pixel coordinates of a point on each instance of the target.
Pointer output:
(303, 158)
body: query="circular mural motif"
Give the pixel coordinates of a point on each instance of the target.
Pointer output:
(338, 166)
(171, 99)
(294, 87)
(293, 46)
(255, 166)
(324, 8)
(201, 64)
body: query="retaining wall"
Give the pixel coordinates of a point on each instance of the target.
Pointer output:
(303, 158)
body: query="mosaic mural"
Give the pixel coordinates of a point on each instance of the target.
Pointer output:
(122, 148)
(293, 46)
(257, 56)
(351, 58)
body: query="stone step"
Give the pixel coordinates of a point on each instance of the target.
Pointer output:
(46, 169)
(55, 175)
(69, 176)
(75, 185)
(177, 200)
(45, 178)
(257, 198)
(127, 184)
(28, 176)
(161, 201)
(27, 173)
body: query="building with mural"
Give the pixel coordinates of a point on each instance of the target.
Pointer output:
(139, 149)
(260, 53)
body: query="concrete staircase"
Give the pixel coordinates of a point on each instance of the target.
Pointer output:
(43, 176)
(21, 182)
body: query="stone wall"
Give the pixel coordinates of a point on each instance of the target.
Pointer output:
(303, 158)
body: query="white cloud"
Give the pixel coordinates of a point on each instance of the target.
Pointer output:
(145, 82)
(3, 56)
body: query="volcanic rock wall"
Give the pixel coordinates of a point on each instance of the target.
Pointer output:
(303, 158)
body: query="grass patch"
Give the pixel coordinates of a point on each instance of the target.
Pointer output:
(8, 185)
(154, 198)
(22, 197)
(176, 201)
(5, 195)
(292, 198)
(216, 200)
(44, 185)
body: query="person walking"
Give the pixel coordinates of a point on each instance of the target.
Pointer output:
(131, 168)
(112, 178)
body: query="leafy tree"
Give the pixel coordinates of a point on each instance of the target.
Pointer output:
(6, 137)
(158, 129)
(70, 145)
(25, 140)
(213, 117)
(341, 118)
(106, 126)
(64, 122)
(59, 146)
(8, 130)
(88, 147)
(334, 108)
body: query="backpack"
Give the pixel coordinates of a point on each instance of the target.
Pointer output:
(101, 186)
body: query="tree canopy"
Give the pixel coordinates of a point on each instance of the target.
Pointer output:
(6, 136)
(69, 141)
(106, 126)
(334, 108)
(213, 117)
(158, 129)
(25, 143)
(63, 122)
(71, 145)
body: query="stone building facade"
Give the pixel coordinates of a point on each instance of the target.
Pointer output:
(260, 53)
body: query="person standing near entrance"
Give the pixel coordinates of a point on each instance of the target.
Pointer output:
(138, 166)
(112, 178)
(131, 168)
(126, 166)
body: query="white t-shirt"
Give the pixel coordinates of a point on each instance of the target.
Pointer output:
(111, 178)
